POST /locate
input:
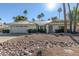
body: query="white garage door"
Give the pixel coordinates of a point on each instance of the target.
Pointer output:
(19, 30)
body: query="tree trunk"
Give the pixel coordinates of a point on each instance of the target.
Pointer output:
(75, 19)
(70, 18)
(59, 15)
(65, 21)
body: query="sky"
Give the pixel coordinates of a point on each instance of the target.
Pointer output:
(10, 10)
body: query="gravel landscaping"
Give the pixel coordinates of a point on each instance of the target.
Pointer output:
(39, 45)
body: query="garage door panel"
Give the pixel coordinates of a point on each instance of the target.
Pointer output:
(19, 30)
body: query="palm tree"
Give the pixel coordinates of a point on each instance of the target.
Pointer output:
(0, 19)
(33, 19)
(59, 10)
(75, 18)
(40, 16)
(65, 21)
(25, 12)
(4, 23)
(70, 17)
(49, 19)
(54, 18)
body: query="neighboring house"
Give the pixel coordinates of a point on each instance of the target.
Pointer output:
(2, 27)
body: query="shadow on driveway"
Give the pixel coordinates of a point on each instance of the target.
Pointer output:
(73, 39)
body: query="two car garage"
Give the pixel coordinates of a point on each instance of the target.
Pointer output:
(19, 30)
(21, 27)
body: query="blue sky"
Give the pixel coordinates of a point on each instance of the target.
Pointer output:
(9, 10)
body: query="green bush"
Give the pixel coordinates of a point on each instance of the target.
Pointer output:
(59, 30)
(42, 30)
(32, 30)
(36, 31)
(29, 31)
(6, 31)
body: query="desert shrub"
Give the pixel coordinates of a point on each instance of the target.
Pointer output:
(39, 53)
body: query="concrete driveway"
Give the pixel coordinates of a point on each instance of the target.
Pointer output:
(5, 38)
(8, 36)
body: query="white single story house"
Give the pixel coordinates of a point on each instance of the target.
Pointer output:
(50, 26)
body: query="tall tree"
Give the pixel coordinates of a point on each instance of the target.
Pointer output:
(40, 16)
(54, 18)
(59, 10)
(77, 14)
(5, 23)
(0, 19)
(33, 19)
(75, 17)
(70, 17)
(25, 12)
(49, 19)
(65, 21)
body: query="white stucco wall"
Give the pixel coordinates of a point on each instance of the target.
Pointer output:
(57, 27)
(32, 27)
(47, 30)
(54, 27)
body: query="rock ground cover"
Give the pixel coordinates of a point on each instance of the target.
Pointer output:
(40, 45)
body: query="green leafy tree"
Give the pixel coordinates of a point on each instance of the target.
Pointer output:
(73, 16)
(20, 18)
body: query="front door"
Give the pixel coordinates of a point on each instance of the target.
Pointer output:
(50, 29)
